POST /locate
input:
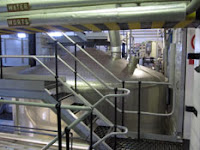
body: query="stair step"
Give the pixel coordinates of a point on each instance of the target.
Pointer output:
(101, 131)
(65, 97)
(143, 144)
(76, 104)
(51, 85)
(61, 96)
(87, 120)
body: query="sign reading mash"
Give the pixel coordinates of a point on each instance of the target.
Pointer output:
(18, 22)
(18, 7)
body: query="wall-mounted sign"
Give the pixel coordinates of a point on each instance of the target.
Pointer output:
(18, 7)
(18, 22)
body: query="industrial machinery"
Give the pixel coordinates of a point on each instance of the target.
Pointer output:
(155, 103)
(102, 97)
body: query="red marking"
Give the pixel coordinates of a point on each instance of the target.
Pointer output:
(192, 42)
(191, 61)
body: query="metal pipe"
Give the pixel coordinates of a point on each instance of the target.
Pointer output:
(17, 114)
(84, 115)
(59, 125)
(139, 108)
(75, 66)
(48, 4)
(34, 57)
(91, 130)
(1, 60)
(193, 6)
(77, 121)
(57, 99)
(70, 107)
(25, 56)
(123, 105)
(71, 140)
(115, 43)
(28, 128)
(170, 12)
(111, 134)
(51, 143)
(67, 132)
(130, 44)
(115, 120)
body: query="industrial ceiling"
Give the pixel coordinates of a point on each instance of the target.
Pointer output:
(93, 15)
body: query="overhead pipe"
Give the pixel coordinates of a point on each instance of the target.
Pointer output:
(56, 10)
(48, 4)
(115, 43)
(193, 6)
(171, 12)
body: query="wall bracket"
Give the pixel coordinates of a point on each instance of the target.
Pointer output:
(192, 109)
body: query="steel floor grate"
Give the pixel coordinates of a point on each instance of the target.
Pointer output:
(134, 144)
(101, 131)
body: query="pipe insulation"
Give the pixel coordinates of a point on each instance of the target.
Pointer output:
(171, 12)
(115, 43)
(48, 4)
(193, 6)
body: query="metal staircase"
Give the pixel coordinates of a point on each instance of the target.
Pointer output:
(85, 124)
(91, 125)
(69, 116)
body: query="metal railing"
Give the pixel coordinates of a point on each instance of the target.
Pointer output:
(117, 79)
(125, 92)
(52, 106)
(123, 83)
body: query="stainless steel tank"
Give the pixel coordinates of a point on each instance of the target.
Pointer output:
(153, 97)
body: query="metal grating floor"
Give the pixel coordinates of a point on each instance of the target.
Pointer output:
(101, 131)
(134, 144)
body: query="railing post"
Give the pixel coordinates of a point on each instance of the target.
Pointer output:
(75, 67)
(139, 108)
(91, 130)
(123, 98)
(115, 121)
(1, 59)
(57, 99)
(67, 133)
(71, 140)
(59, 125)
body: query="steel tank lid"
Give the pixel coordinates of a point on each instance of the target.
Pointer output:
(118, 67)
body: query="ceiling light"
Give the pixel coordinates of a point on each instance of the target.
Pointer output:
(21, 35)
(55, 34)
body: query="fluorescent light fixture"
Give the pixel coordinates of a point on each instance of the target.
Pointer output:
(55, 34)
(21, 35)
